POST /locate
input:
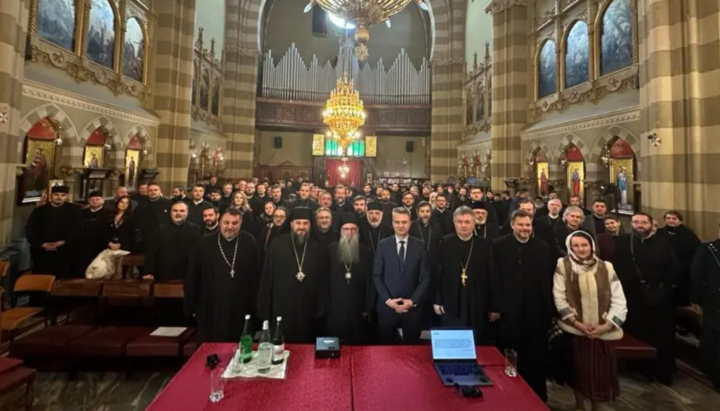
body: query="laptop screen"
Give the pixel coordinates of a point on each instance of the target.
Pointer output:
(451, 344)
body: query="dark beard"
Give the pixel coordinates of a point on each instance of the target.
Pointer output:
(349, 250)
(299, 239)
(641, 234)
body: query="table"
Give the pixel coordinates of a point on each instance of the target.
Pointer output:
(404, 378)
(311, 385)
(367, 378)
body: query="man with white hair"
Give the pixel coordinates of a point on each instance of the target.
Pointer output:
(573, 217)
(294, 280)
(352, 294)
(545, 226)
(376, 229)
(222, 280)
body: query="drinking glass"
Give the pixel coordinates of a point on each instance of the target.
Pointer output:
(217, 384)
(511, 363)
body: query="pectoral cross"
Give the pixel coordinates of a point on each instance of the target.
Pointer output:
(300, 276)
(232, 272)
(464, 276)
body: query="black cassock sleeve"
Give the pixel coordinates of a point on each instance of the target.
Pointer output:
(151, 251)
(253, 267)
(192, 284)
(698, 273)
(493, 301)
(33, 228)
(437, 294)
(323, 267)
(76, 226)
(370, 293)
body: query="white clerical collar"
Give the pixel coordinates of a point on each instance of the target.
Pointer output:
(96, 209)
(213, 227)
(442, 210)
(198, 202)
(398, 239)
(521, 240)
(554, 217)
(465, 239)
(424, 223)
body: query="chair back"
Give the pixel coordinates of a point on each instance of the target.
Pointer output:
(41, 283)
(4, 268)
(126, 288)
(169, 289)
(77, 287)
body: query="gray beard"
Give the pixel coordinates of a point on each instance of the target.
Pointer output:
(349, 250)
(299, 239)
(374, 225)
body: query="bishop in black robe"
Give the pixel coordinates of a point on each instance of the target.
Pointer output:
(465, 303)
(650, 273)
(294, 281)
(352, 297)
(52, 222)
(221, 286)
(523, 278)
(705, 296)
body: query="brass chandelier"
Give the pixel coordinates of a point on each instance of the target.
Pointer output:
(344, 112)
(364, 13)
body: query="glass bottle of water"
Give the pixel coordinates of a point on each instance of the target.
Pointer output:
(246, 341)
(265, 349)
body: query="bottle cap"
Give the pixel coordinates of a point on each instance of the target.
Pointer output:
(247, 316)
(279, 318)
(266, 325)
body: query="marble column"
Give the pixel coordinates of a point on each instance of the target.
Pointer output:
(14, 23)
(171, 82)
(679, 106)
(511, 26)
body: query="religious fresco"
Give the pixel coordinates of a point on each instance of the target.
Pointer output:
(204, 89)
(132, 165)
(480, 110)
(94, 156)
(56, 22)
(616, 50)
(622, 174)
(134, 50)
(318, 145)
(101, 33)
(547, 70)
(576, 179)
(216, 97)
(543, 177)
(577, 60)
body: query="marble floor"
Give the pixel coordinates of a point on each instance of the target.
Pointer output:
(110, 391)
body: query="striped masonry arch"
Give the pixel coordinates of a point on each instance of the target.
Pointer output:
(116, 156)
(72, 148)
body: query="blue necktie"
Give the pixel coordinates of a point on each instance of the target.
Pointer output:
(401, 255)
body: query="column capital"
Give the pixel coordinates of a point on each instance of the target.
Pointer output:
(498, 6)
(230, 50)
(447, 62)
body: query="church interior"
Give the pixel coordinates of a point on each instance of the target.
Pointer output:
(601, 99)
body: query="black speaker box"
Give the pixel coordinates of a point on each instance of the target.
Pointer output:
(409, 146)
(278, 142)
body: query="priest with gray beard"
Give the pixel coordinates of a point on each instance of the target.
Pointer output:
(294, 281)
(352, 293)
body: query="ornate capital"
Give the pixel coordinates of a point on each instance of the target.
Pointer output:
(241, 51)
(447, 62)
(498, 6)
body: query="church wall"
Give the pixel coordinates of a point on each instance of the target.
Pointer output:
(479, 28)
(391, 150)
(296, 148)
(287, 24)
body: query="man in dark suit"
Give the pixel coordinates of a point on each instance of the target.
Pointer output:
(402, 278)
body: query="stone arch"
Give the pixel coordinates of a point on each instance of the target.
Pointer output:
(533, 148)
(140, 131)
(577, 141)
(71, 152)
(115, 157)
(606, 137)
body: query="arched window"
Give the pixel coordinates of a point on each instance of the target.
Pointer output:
(616, 50)
(547, 70)
(101, 33)
(355, 149)
(215, 109)
(577, 55)
(134, 49)
(56, 22)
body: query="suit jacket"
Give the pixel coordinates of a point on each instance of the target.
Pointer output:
(393, 280)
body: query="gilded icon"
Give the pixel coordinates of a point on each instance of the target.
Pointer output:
(622, 174)
(94, 157)
(576, 178)
(318, 145)
(132, 164)
(543, 176)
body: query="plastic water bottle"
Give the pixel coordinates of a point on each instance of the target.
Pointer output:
(265, 349)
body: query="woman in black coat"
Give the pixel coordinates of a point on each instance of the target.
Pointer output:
(121, 229)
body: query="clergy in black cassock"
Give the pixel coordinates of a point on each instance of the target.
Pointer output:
(211, 224)
(545, 226)
(427, 231)
(323, 231)
(166, 255)
(685, 243)
(95, 217)
(443, 216)
(222, 280)
(650, 273)
(154, 213)
(464, 296)
(705, 297)
(523, 278)
(294, 281)
(352, 293)
(484, 228)
(53, 231)
(375, 230)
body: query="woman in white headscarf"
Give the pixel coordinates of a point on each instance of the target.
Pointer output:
(592, 308)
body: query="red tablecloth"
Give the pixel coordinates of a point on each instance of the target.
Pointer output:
(404, 378)
(370, 378)
(310, 385)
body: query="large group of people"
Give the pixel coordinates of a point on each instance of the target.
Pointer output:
(380, 263)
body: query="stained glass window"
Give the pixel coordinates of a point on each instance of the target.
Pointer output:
(356, 149)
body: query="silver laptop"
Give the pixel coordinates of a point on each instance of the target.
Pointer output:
(454, 357)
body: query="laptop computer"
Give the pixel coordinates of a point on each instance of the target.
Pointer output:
(454, 357)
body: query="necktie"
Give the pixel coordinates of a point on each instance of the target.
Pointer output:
(401, 254)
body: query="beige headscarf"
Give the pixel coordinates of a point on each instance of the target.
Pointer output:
(579, 265)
